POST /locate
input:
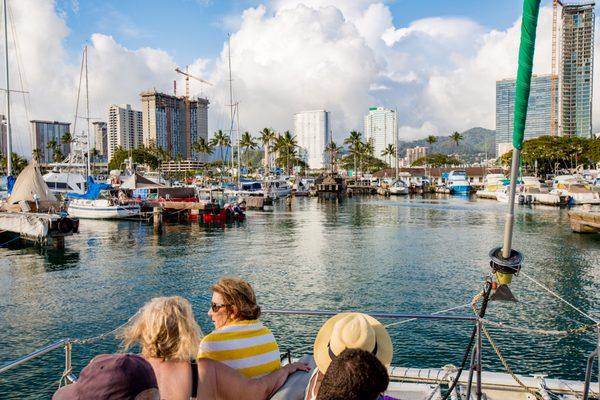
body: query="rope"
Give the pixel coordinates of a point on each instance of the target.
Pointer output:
(503, 360)
(581, 329)
(11, 240)
(103, 335)
(499, 354)
(560, 298)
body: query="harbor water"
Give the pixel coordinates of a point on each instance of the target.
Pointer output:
(409, 254)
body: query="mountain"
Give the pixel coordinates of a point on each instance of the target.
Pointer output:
(475, 141)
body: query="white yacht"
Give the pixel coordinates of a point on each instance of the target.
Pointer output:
(277, 187)
(64, 182)
(491, 184)
(399, 187)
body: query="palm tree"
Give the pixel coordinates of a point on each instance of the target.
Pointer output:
(334, 151)
(221, 140)
(52, 145)
(366, 152)
(66, 138)
(456, 137)
(202, 146)
(354, 142)
(247, 142)
(390, 151)
(36, 154)
(431, 140)
(286, 145)
(57, 155)
(266, 137)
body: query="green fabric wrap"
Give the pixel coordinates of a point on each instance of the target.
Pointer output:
(531, 10)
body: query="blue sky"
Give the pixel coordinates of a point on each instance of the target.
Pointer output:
(189, 29)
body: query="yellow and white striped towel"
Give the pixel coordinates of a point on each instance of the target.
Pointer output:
(247, 346)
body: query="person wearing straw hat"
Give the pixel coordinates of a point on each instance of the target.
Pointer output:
(347, 331)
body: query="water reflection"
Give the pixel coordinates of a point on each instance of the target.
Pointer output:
(404, 254)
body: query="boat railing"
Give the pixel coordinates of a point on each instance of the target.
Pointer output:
(475, 369)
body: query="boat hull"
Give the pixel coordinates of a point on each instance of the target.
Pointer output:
(460, 189)
(91, 211)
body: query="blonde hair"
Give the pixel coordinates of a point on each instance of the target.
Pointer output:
(165, 328)
(238, 293)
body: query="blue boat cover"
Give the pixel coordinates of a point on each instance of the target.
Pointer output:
(10, 183)
(92, 192)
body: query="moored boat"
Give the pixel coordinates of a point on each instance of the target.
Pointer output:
(106, 208)
(399, 187)
(458, 182)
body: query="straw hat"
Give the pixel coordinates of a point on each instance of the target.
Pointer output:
(351, 331)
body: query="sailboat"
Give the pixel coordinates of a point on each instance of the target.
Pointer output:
(68, 176)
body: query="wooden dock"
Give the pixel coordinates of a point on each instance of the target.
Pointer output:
(43, 229)
(583, 221)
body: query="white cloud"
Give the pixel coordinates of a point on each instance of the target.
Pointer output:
(287, 56)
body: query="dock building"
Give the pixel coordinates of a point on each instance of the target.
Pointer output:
(174, 123)
(43, 132)
(124, 128)
(577, 68)
(100, 138)
(313, 132)
(381, 129)
(538, 111)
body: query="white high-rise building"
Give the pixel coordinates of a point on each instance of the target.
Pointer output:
(124, 128)
(381, 129)
(312, 130)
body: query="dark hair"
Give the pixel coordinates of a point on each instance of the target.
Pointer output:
(355, 374)
(238, 293)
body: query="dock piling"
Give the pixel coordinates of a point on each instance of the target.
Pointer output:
(157, 219)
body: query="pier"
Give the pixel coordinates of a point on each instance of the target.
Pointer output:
(43, 229)
(584, 221)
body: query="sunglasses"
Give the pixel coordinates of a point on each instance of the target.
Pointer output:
(216, 307)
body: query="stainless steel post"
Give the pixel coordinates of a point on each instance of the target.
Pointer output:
(479, 394)
(470, 380)
(510, 217)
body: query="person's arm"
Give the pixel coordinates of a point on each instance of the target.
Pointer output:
(219, 381)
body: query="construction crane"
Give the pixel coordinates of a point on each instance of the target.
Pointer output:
(187, 80)
(187, 105)
(554, 73)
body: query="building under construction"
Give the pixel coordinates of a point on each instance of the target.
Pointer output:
(577, 68)
(174, 123)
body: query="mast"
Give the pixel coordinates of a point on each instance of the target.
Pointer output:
(531, 10)
(230, 96)
(237, 113)
(8, 128)
(87, 115)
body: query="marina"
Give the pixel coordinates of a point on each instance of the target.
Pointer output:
(286, 266)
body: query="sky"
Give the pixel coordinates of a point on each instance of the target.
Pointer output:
(435, 62)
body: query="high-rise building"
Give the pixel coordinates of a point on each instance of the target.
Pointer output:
(538, 110)
(124, 128)
(312, 130)
(3, 137)
(168, 125)
(43, 133)
(100, 138)
(576, 68)
(414, 153)
(381, 129)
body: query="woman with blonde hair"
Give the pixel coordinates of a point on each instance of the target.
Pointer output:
(168, 336)
(239, 340)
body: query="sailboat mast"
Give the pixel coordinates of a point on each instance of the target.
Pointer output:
(230, 96)
(87, 115)
(237, 114)
(8, 129)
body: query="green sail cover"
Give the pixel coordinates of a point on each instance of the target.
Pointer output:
(531, 10)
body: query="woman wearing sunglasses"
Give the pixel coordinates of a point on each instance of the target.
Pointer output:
(168, 336)
(239, 340)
